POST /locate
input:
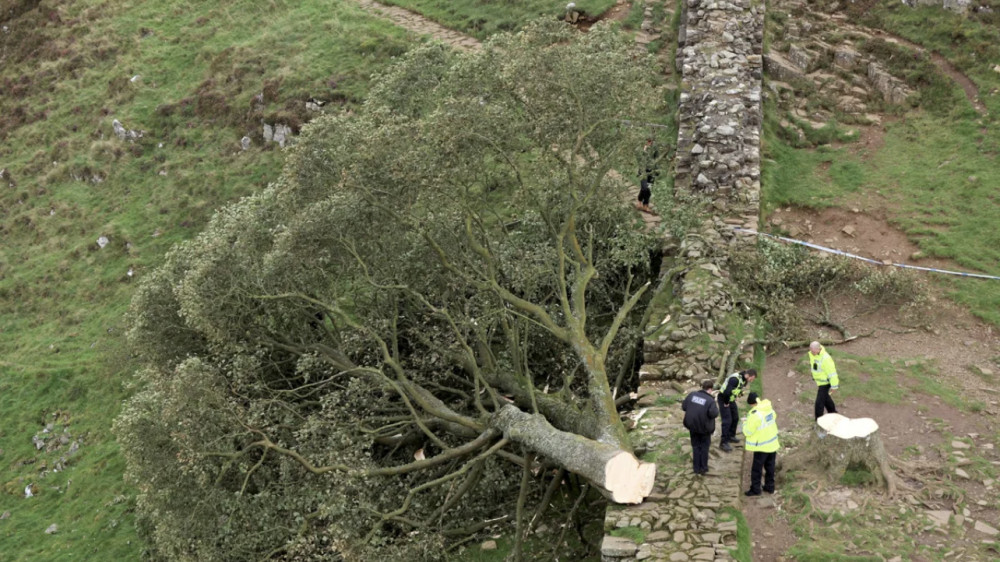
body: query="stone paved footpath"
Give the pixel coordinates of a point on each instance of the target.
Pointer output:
(420, 25)
(684, 517)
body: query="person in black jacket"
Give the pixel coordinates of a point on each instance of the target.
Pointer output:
(700, 412)
(732, 388)
(649, 159)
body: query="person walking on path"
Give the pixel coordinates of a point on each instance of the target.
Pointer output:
(700, 412)
(649, 162)
(732, 388)
(761, 431)
(824, 372)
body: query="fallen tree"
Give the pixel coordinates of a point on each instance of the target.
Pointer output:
(382, 348)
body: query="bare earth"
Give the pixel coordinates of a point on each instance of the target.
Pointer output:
(949, 338)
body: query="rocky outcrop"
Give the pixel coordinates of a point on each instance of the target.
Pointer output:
(819, 56)
(124, 133)
(780, 68)
(279, 133)
(893, 89)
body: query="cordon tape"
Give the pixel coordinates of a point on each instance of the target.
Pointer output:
(862, 258)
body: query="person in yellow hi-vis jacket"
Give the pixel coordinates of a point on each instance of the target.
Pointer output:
(761, 432)
(824, 372)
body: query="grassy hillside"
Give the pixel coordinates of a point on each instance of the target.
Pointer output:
(938, 167)
(186, 74)
(196, 77)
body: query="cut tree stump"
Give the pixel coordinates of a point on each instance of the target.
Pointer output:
(841, 442)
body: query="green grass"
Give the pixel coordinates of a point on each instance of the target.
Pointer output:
(671, 400)
(482, 18)
(636, 13)
(635, 533)
(744, 543)
(813, 554)
(972, 44)
(926, 378)
(874, 379)
(807, 177)
(822, 534)
(857, 476)
(938, 167)
(937, 178)
(63, 298)
(883, 381)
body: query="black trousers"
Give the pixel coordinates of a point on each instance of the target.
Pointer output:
(645, 192)
(762, 462)
(700, 443)
(730, 414)
(823, 401)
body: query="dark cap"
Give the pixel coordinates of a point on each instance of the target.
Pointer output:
(752, 399)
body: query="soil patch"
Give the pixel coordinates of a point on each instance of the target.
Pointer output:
(860, 228)
(956, 398)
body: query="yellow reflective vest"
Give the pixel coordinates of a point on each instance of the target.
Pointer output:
(761, 428)
(823, 369)
(738, 389)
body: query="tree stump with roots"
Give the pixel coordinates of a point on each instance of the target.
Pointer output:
(840, 443)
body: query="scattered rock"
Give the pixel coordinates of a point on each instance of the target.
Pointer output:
(52, 529)
(985, 529)
(961, 473)
(939, 518)
(245, 143)
(124, 133)
(982, 371)
(6, 515)
(279, 133)
(619, 547)
(488, 545)
(956, 444)
(102, 241)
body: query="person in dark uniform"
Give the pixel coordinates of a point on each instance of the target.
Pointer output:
(647, 174)
(700, 412)
(732, 388)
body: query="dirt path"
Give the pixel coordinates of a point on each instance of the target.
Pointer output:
(420, 25)
(971, 91)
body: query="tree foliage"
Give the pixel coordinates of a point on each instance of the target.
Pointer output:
(459, 246)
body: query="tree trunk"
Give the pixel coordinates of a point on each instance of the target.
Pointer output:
(624, 478)
(841, 442)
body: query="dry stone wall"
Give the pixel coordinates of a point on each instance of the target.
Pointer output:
(718, 150)
(718, 156)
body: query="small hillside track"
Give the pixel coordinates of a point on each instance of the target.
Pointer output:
(420, 25)
(944, 65)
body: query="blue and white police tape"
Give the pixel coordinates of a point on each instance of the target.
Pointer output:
(864, 259)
